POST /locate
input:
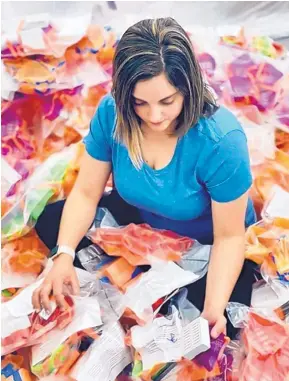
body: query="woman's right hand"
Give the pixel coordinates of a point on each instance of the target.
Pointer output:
(61, 276)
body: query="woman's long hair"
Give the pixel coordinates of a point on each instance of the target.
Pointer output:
(147, 49)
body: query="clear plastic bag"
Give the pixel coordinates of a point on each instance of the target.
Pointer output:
(186, 370)
(13, 366)
(276, 265)
(98, 306)
(103, 219)
(23, 259)
(116, 271)
(109, 298)
(265, 345)
(261, 140)
(44, 185)
(268, 296)
(26, 330)
(267, 175)
(196, 259)
(263, 237)
(93, 258)
(64, 357)
(138, 244)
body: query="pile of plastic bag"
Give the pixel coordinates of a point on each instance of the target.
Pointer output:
(118, 328)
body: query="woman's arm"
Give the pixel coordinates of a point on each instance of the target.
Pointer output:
(80, 207)
(227, 258)
(78, 214)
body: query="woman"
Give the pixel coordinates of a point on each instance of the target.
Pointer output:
(179, 162)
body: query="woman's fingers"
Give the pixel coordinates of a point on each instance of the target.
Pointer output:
(45, 292)
(75, 284)
(58, 292)
(36, 299)
(56, 283)
(219, 327)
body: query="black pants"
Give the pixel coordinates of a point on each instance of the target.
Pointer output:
(47, 228)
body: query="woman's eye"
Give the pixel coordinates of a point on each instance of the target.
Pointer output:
(168, 103)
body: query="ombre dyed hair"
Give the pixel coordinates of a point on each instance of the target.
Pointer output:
(147, 49)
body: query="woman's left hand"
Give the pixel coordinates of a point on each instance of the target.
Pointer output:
(217, 322)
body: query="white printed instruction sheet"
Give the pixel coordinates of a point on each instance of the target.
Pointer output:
(106, 358)
(162, 279)
(166, 340)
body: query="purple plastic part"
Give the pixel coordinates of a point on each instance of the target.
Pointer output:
(217, 86)
(6, 53)
(266, 100)
(244, 60)
(209, 358)
(241, 86)
(239, 67)
(207, 63)
(284, 120)
(47, 29)
(269, 75)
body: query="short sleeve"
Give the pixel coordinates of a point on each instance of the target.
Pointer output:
(228, 174)
(97, 142)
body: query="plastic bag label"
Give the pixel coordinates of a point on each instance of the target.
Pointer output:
(46, 315)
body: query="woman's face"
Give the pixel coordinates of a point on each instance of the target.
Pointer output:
(157, 103)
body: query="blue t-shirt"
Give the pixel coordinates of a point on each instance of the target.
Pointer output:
(211, 162)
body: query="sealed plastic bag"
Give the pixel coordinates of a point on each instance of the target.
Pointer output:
(99, 304)
(276, 264)
(22, 326)
(261, 141)
(269, 297)
(117, 271)
(44, 185)
(63, 357)
(59, 344)
(138, 243)
(13, 368)
(111, 301)
(265, 342)
(267, 175)
(196, 259)
(263, 237)
(282, 140)
(277, 206)
(93, 258)
(22, 261)
(186, 370)
(252, 81)
(20, 329)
